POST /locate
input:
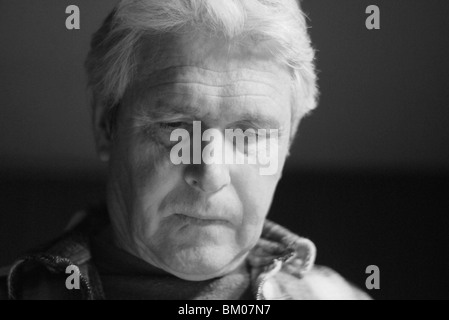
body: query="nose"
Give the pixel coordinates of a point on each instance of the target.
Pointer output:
(208, 178)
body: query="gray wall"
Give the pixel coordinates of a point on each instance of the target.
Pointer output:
(384, 96)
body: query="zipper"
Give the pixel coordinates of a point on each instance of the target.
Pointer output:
(273, 268)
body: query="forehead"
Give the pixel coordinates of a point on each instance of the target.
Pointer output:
(210, 52)
(210, 75)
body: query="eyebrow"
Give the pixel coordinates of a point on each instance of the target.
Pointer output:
(164, 110)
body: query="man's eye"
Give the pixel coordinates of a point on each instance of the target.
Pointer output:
(250, 131)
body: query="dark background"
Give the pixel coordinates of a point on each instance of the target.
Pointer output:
(368, 179)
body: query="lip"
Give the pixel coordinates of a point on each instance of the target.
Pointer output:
(199, 219)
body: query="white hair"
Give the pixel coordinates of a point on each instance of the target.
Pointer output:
(112, 61)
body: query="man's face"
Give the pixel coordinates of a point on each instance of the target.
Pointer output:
(196, 221)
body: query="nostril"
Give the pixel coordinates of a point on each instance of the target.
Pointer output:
(192, 181)
(208, 178)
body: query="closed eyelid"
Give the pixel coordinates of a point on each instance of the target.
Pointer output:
(260, 123)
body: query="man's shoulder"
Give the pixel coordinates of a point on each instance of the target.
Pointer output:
(296, 276)
(43, 275)
(320, 283)
(37, 283)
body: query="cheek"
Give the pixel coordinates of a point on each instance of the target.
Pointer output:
(148, 161)
(255, 193)
(151, 177)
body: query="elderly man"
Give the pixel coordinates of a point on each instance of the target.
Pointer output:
(189, 229)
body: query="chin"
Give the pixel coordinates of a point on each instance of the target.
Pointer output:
(202, 263)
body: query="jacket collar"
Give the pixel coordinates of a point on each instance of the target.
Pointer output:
(279, 244)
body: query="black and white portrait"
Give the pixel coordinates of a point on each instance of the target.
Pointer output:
(224, 150)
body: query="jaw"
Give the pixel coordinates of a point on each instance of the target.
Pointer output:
(195, 260)
(203, 264)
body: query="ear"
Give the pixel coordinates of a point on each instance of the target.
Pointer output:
(101, 121)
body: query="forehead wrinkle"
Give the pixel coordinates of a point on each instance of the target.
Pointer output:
(199, 58)
(196, 74)
(182, 68)
(195, 103)
(234, 84)
(203, 90)
(216, 86)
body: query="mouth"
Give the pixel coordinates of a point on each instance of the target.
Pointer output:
(200, 220)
